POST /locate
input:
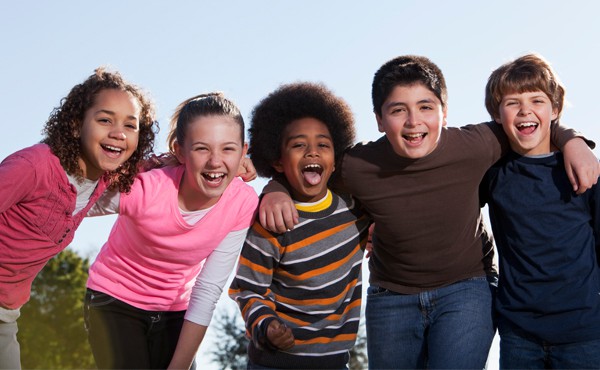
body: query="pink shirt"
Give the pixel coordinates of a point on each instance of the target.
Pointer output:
(152, 256)
(36, 218)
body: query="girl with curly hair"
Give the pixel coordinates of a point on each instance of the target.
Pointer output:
(94, 140)
(174, 244)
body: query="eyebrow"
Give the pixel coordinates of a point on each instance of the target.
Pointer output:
(422, 101)
(106, 111)
(304, 136)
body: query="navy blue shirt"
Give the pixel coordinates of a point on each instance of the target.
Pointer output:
(547, 239)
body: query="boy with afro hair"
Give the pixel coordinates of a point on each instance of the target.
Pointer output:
(300, 292)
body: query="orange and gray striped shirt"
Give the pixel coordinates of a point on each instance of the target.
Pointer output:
(309, 279)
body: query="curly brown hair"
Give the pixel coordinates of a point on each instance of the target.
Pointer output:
(289, 103)
(63, 125)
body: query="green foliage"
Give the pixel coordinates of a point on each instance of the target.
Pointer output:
(230, 347)
(51, 329)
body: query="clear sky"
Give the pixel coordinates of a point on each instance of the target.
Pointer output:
(176, 49)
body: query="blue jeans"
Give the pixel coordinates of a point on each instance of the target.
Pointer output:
(450, 327)
(520, 350)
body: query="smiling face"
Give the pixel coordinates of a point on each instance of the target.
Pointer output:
(109, 132)
(526, 118)
(412, 118)
(211, 154)
(307, 158)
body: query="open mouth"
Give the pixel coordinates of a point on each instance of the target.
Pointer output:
(312, 173)
(415, 138)
(527, 127)
(214, 177)
(112, 151)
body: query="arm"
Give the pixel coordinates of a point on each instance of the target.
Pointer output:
(107, 204)
(247, 171)
(251, 289)
(205, 294)
(17, 179)
(277, 212)
(581, 164)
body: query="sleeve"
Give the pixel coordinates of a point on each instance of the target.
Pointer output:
(18, 178)
(251, 286)
(107, 204)
(213, 277)
(561, 134)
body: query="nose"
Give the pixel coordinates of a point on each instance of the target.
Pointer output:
(311, 151)
(117, 133)
(411, 119)
(524, 109)
(214, 160)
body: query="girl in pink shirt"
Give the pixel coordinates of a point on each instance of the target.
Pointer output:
(95, 139)
(175, 243)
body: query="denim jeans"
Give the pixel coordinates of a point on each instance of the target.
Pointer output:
(126, 337)
(450, 327)
(520, 350)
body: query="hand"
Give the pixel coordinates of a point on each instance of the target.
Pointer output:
(581, 165)
(277, 212)
(369, 246)
(247, 171)
(280, 335)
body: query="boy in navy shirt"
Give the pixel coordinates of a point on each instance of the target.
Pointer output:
(548, 299)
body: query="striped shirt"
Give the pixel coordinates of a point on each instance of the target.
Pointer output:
(310, 280)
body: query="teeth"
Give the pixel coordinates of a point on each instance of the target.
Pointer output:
(214, 175)
(113, 148)
(527, 124)
(414, 136)
(313, 165)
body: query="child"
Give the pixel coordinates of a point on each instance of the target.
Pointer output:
(95, 139)
(300, 292)
(429, 303)
(548, 298)
(185, 220)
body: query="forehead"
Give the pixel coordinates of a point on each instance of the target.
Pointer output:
(306, 127)
(410, 93)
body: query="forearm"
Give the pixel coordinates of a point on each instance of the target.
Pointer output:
(190, 338)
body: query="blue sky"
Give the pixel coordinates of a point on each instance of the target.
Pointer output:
(177, 49)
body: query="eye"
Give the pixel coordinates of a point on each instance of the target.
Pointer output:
(324, 145)
(104, 120)
(298, 145)
(426, 107)
(131, 126)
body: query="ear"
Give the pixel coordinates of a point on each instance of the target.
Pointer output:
(554, 114)
(179, 152)
(245, 149)
(444, 116)
(278, 166)
(379, 123)
(498, 120)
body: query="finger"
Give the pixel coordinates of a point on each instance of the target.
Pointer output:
(572, 177)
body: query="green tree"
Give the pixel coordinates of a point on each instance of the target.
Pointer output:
(231, 342)
(51, 329)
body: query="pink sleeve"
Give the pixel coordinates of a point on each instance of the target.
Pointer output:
(17, 179)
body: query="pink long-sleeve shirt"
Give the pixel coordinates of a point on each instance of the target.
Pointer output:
(36, 218)
(153, 256)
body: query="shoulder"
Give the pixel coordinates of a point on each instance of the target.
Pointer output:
(37, 154)
(238, 190)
